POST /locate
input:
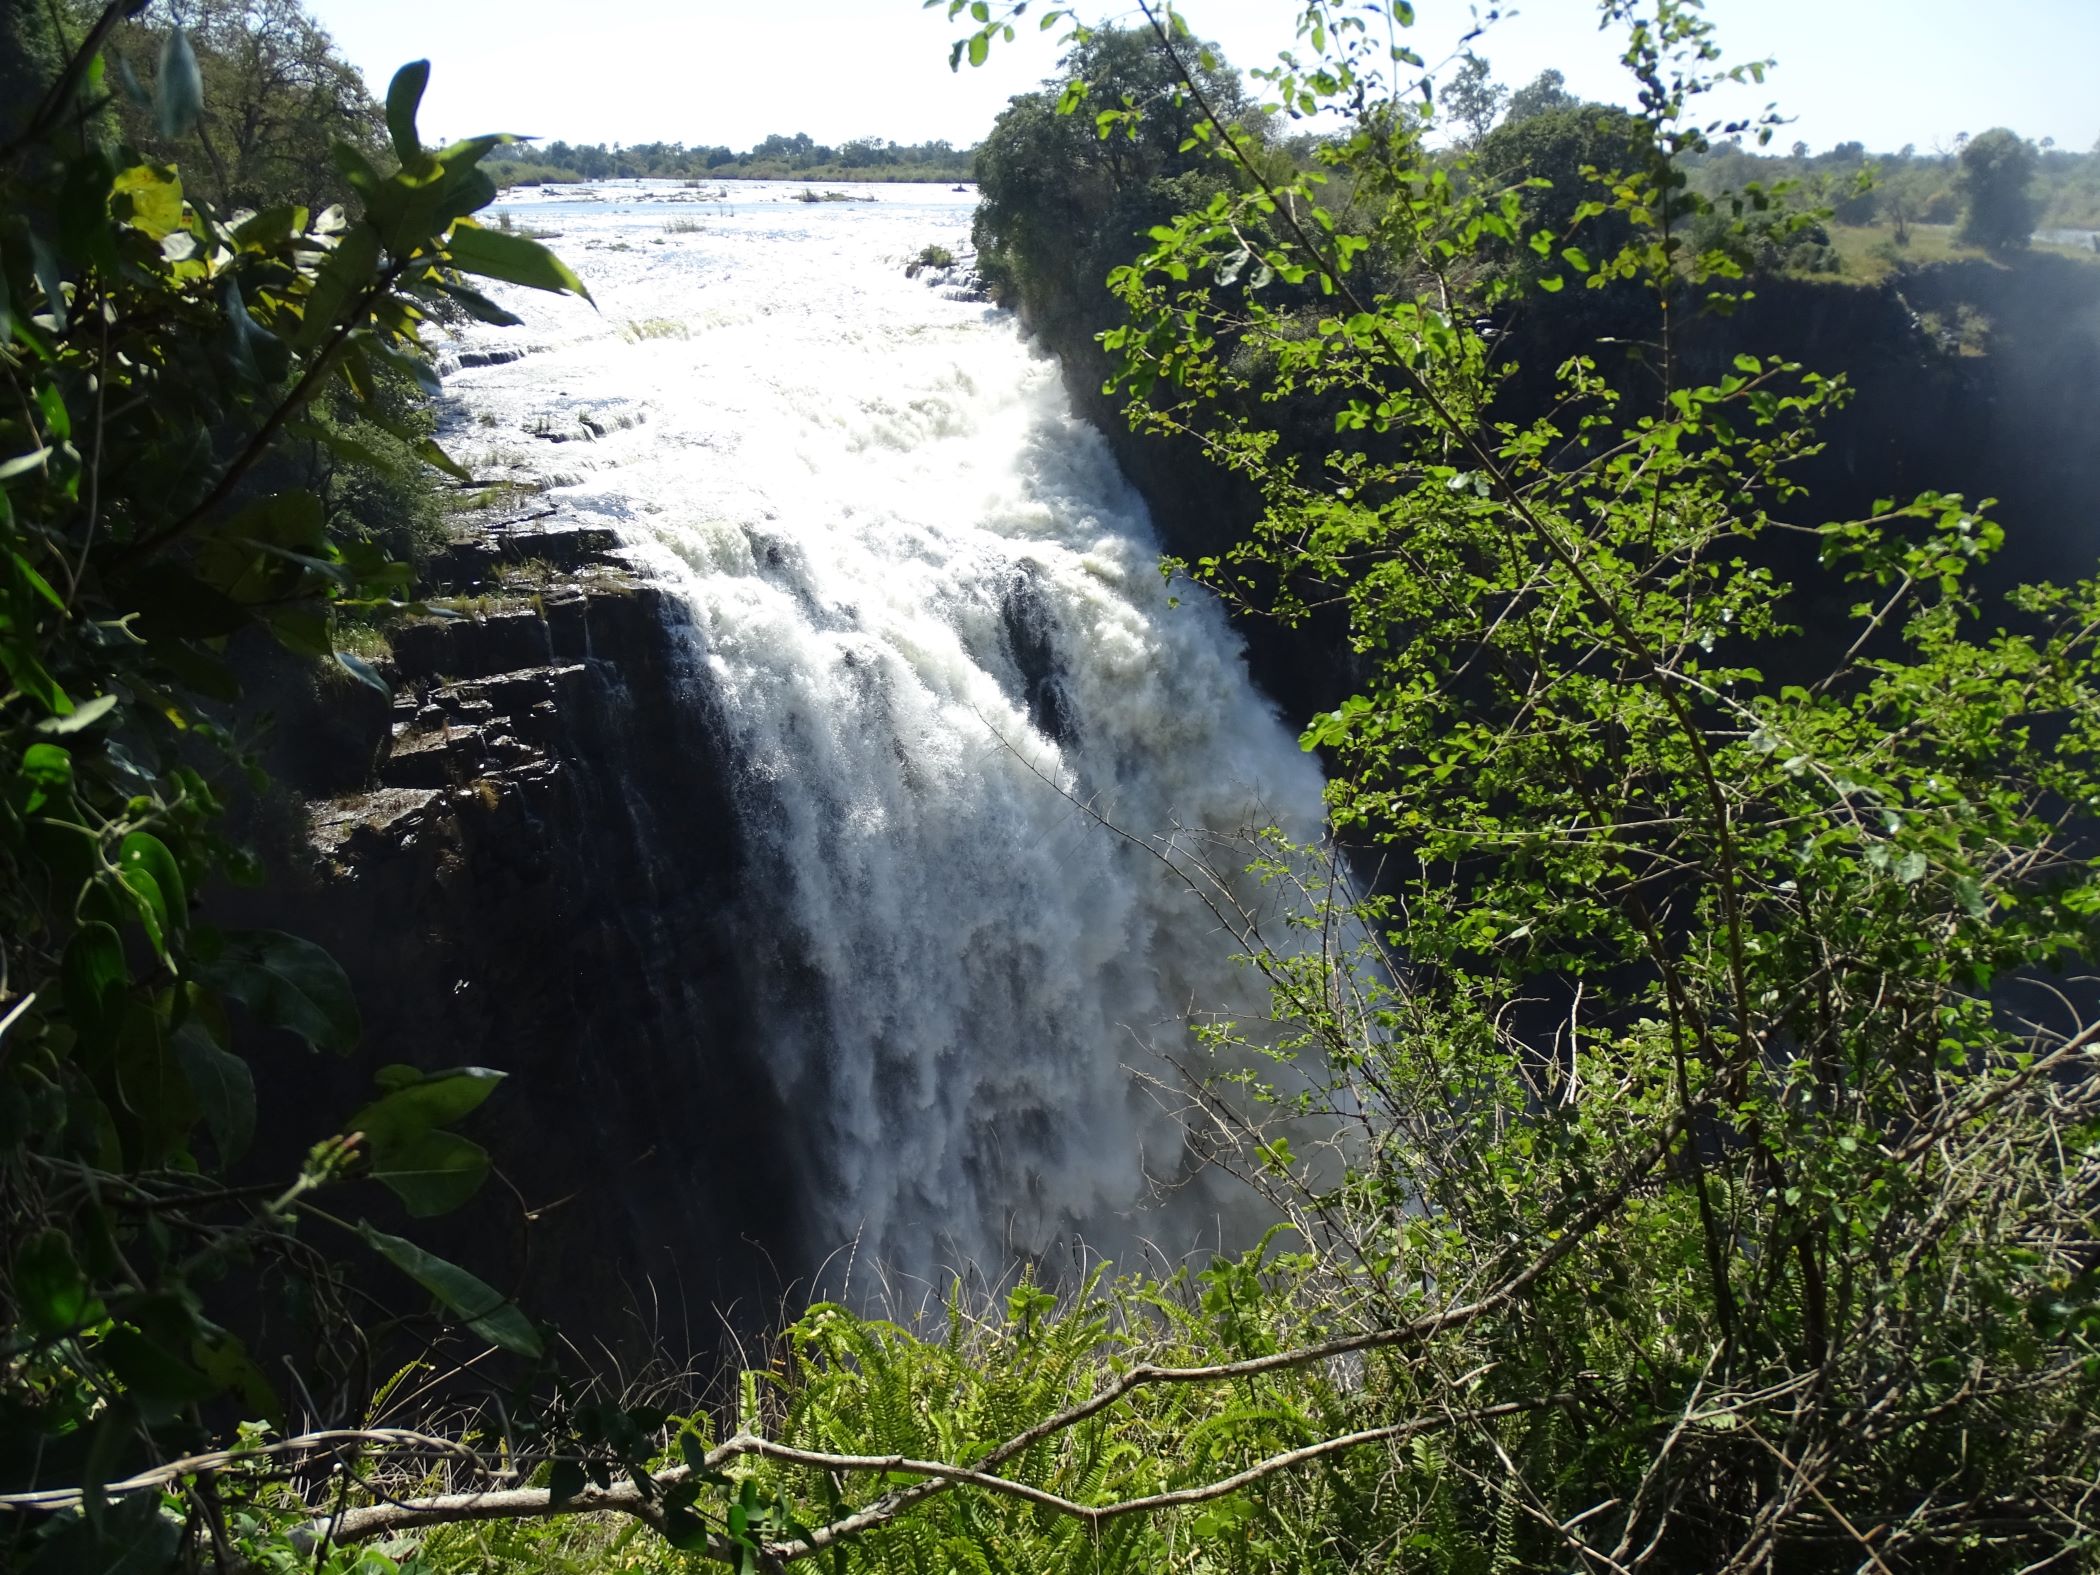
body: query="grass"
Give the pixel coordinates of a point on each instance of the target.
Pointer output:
(510, 226)
(811, 194)
(363, 639)
(929, 257)
(654, 328)
(682, 227)
(533, 573)
(1869, 253)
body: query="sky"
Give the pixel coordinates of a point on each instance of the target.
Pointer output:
(707, 72)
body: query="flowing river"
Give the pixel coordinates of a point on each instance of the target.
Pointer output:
(930, 625)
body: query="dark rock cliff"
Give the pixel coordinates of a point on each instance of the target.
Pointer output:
(2013, 422)
(528, 862)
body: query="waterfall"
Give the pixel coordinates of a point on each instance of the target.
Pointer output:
(963, 709)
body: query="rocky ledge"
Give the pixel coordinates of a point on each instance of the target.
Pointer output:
(528, 860)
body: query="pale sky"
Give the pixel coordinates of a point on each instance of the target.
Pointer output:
(705, 72)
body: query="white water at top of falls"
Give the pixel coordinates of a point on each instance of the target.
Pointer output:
(930, 620)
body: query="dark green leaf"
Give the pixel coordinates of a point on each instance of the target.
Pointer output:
(511, 258)
(287, 983)
(431, 1172)
(92, 975)
(142, 850)
(403, 96)
(179, 89)
(158, 1381)
(564, 1481)
(51, 1292)
(222, 1086)
(475, 1303)
(418, 1101)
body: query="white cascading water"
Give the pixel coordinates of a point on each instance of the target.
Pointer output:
(930, 617)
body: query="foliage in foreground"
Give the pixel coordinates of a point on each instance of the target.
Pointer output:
(174, 371)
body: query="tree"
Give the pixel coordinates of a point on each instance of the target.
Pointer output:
(1543, 94)
(1061, 194)
(277, 99)
(1996, 183)
(1475, 98)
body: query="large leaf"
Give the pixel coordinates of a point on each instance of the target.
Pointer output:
(416, 1101)
(159, 1382)
(179, 91)
(222, 1086)
(149, 196)
(403, 96)
(51, 1292)
(511, 258)
(288, 983)
(476, 1303)
(431, 1172)
(92, 976)
(481, 307)
(142, 850)
(349, 271)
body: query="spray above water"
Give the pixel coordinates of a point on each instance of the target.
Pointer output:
(929, 620)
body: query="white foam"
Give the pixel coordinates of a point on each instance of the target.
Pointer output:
(851, 477)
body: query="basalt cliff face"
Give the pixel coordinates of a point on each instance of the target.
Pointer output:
(2004, 414)
(528, 861)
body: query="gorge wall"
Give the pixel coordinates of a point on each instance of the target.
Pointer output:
(527, 861)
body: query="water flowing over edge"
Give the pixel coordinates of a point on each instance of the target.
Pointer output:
(930, 629)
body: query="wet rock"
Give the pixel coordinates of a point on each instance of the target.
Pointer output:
(526, 861)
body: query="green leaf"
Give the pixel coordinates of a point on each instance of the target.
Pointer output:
(152, 905)
(51, 1292)
(158, 1381)
(480, 307)
(84, 715)
(148, 196)
(364, 672)
(287, 983)
(222, 1085)
(411, 366)
(511, 258)
(92, 976)
(48, 770)
(418, 1101)
(143, 851)
(564, 1481)
(226, 1362)
(432, 1173)
(403, 96)
(477, 1304)
(428, 451)
(179, 90)
(348, 272)
(38, 585)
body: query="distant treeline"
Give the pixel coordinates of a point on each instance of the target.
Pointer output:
(777, 158)
(1909, 186)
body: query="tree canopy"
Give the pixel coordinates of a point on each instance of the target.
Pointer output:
(1996, 183)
